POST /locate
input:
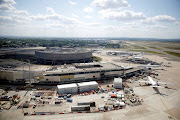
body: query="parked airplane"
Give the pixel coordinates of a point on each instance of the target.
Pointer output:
(149, 66)
(153, 83)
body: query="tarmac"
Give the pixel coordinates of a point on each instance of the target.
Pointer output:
(154, 106)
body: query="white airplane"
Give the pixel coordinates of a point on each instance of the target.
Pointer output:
(153, 83)
(149, 66)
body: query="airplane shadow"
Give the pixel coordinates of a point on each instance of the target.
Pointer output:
(158, 92)
(145, 85)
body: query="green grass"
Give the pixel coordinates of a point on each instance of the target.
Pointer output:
(147, 51)
(97, 59)
(126, 46)
(173, 47)
(173, 53)
(138, 47)
(154, 47)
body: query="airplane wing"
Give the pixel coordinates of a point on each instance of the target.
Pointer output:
(142, 81)
(166, 83)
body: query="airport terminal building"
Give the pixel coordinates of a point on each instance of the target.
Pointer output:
(63, 55)
(86, 72)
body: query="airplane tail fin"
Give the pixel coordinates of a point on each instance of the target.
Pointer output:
(161, 63)
(156, 83)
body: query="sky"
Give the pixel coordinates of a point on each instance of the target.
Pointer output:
(90, 18)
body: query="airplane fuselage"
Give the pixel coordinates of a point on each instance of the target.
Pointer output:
(149, 66)
(151, 81)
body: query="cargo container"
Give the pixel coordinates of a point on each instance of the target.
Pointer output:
(80, 108)
(67, 88)
(92, 104)
(122, 104)
(116, 96)
(87, 86)
(118, 83)
(113, 96)
(69, 100)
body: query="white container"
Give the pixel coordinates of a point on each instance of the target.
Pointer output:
(118, 83)
(87, 86)
(122, 104)
(119, 96)
(67, 88)
(122, 96)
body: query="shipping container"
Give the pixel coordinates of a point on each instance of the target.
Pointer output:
(87, 86)
(67, 88)
(118, 83)
(92, 104)
(69, 100)
(80, 108)
(113, 96)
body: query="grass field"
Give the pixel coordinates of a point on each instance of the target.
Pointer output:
(173, 53)
(173, 47)
(138, 47)
(154, 47)
(147, 51)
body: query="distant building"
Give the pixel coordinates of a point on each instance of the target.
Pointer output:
(16, 76)
(63, 55)
(92, 46)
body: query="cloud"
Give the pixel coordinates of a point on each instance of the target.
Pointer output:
(6, 5)
(121, 15)
(23, 12)
(50, 10)
(7, 2)
(5, 19)
(159, 18)
(110, 4)
(74, 15)
(88, 16)
(14, 19)
(71, 2)
(88, 9)
(163, 18)
(55, 17)
(177, 23)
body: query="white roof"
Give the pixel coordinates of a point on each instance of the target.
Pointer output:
(66, 86)
(117, 79)
(87, 83)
